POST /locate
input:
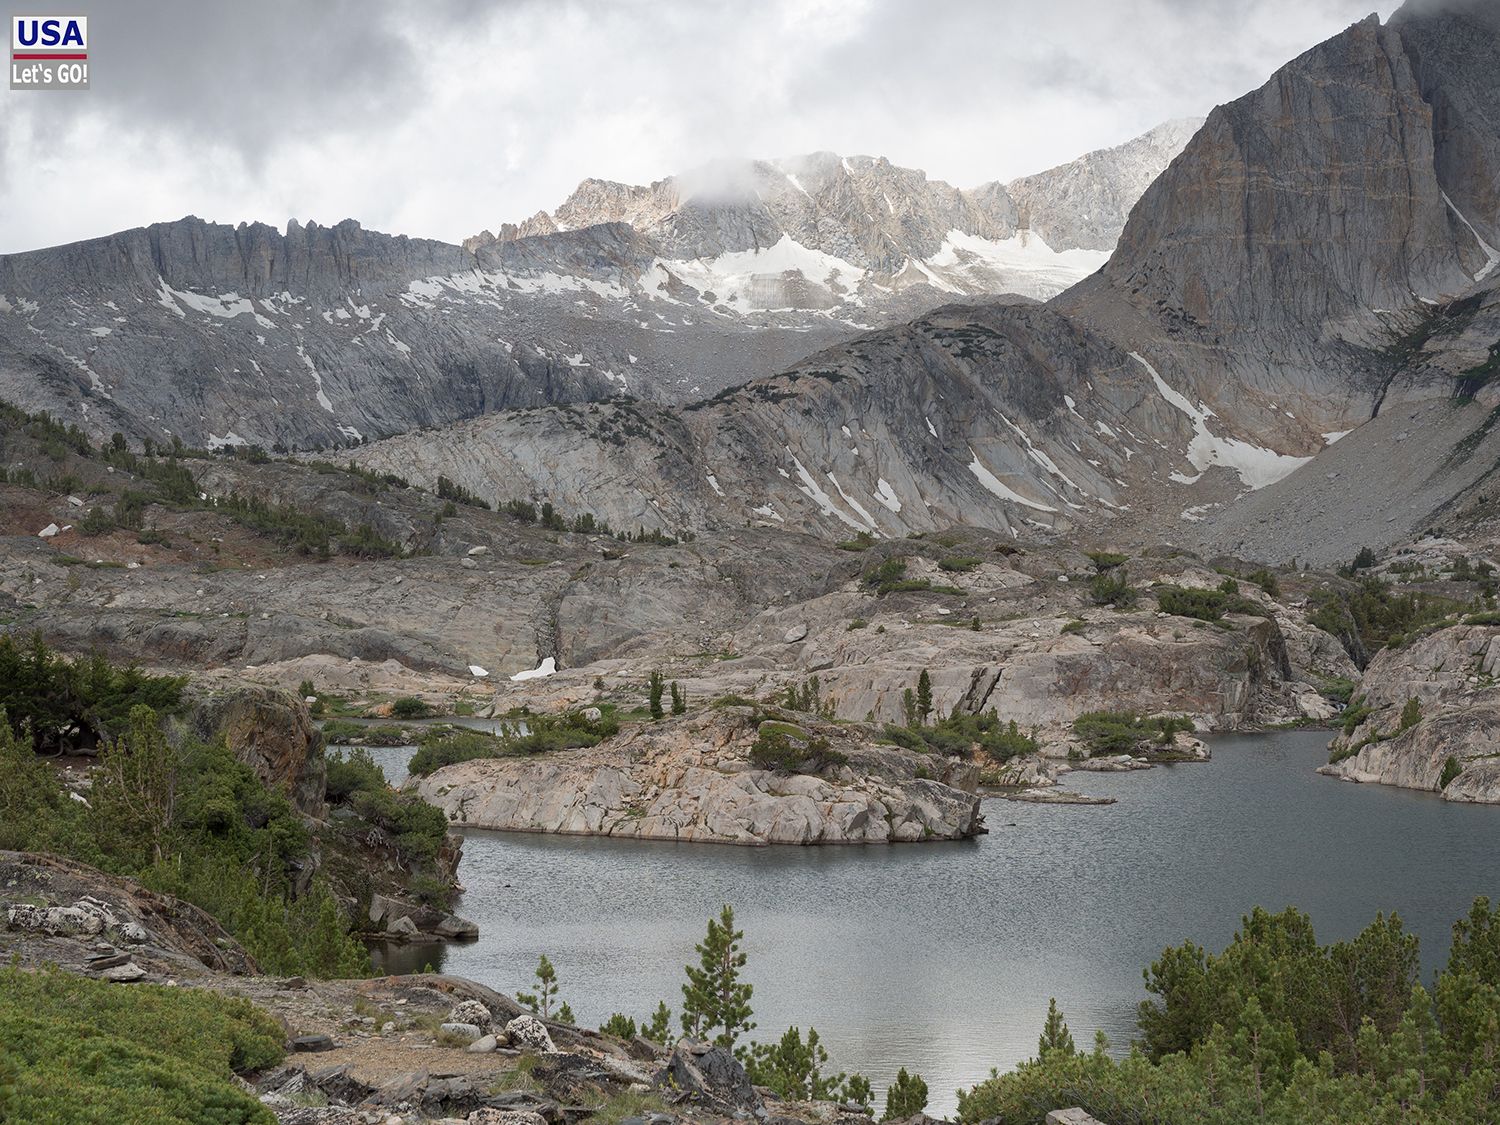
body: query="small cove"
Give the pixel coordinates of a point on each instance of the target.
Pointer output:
(941, 957)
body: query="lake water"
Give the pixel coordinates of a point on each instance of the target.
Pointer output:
(941, 957)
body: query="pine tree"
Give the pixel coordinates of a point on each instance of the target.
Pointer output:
(1055, 1033)
(659, 1027)
(656, 689)
(714, 997)
(924, 697)
(905, 1097)
(541, 1000)
(134, 794)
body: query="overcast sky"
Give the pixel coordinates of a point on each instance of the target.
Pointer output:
(444, 117)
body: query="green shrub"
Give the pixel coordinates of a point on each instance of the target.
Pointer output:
(1264, 1032)
(1372, 615)
(1354, 714)
(787, 748)
(448, 746)
(365, 542)
(1266, 580)
(349, 772)
(1126, 732)
(70, 704)
(905, 1097)
(1337, 688)
(960, 736)
(83, 1051)
(342, 732)
(620, 1026)
(958, 564)
(1112, 587)
(793, 1069)
(416, 828)
(458, 494)
(410, 707)
(1206, 605)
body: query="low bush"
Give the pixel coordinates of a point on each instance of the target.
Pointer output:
(410, 707)
(958, 564)
(1112, 587)
(787, 748)
(78, 1050)
(1206, 605)
(349, 772)
(415, 827)
(449, 745)
(1126, 732)
(960, 736)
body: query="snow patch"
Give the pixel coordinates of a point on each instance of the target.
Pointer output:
(1491, 254)
(546, 668)
(318, 379)
(751, 277)
(814, 492)
(994, 485)
(227, 306)
(1023, 263)
(1257, 467)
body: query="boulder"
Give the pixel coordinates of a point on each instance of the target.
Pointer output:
(471, 1011)
(271, 732)
(707, 1075)
(455, 928)
(530, 1033)
(127, 973)
(489, 1115)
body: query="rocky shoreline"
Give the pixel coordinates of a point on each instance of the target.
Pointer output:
(1427, 716)
(692, 779)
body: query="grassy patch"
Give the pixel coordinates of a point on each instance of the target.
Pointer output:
(77, 1050)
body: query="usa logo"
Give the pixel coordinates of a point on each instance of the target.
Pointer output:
(49, 52)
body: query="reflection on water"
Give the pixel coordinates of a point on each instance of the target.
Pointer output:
(941, 957)
(396, 958)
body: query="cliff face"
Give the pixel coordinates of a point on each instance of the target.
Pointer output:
(1302, 206)
(1451, 746)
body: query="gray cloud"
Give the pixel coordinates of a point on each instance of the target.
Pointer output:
(438, 119)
